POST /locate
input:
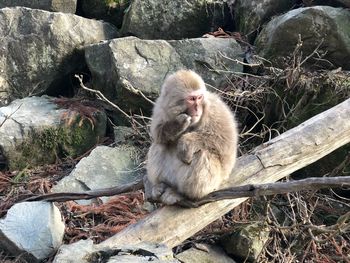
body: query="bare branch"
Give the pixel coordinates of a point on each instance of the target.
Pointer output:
(251, 190)
(68, 196)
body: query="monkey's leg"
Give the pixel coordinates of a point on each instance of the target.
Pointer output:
(202, 176)
(160, 193)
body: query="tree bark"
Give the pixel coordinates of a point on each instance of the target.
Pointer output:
(268, 163)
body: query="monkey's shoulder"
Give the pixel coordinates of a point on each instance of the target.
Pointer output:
(217, 107)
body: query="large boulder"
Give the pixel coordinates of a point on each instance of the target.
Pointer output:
(323, 26)
(39, 48)
(251, 15)
(65, 6)
(124, 67)
(168, 19)
(32, 229)
(104, 167)
(37, 130)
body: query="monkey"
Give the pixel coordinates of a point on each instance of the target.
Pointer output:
(194, 141)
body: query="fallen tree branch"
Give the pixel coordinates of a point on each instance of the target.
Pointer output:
(281, 156)
(250, 190)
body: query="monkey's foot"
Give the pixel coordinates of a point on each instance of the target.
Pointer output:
(158, 190)
(170, 197)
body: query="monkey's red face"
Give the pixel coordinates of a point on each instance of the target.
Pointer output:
(194, 105)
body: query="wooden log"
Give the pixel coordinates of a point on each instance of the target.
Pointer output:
(268, 163)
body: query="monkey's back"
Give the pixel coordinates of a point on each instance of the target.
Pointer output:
(221, 128)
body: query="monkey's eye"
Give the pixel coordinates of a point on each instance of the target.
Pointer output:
(200, 97)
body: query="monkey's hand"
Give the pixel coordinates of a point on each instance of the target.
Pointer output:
(183, 121)
(171, 130)
(186, 148)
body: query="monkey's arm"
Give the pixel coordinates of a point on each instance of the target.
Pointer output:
(191, 143)
(170, 131)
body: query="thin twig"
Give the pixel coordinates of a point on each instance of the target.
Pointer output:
(9, 116)
(100, 94)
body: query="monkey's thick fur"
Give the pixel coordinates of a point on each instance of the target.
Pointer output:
(189, 159)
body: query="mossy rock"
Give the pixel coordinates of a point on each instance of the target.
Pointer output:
(42, 130)
(49, 144)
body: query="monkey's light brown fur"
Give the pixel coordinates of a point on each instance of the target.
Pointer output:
(189, 157)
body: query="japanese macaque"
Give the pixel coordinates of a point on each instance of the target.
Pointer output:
(194, 141)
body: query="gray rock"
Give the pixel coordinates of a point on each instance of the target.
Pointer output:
(212, 58)
(344, 2)
(65, 6)
(75, 253)
(124, 66)
(104, 167)
(34, 229)
(35, 131)
(247, 242)
(251, 15)
(168, 19)
(207, 253)
(84, 251)
(142, 65)
(39, 48)
(123, 134)
(323, 25)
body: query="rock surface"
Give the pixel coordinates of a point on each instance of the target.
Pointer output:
(207, 253)
(251, 15)
(104, 167)
(319, 25)
(65, 6)
(39, 48)
(247, 242)
(34, 229)
(168, 19)
(35, 130)
(142, 65)
(79, 249)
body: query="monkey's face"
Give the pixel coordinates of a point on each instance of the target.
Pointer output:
(194, 105)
